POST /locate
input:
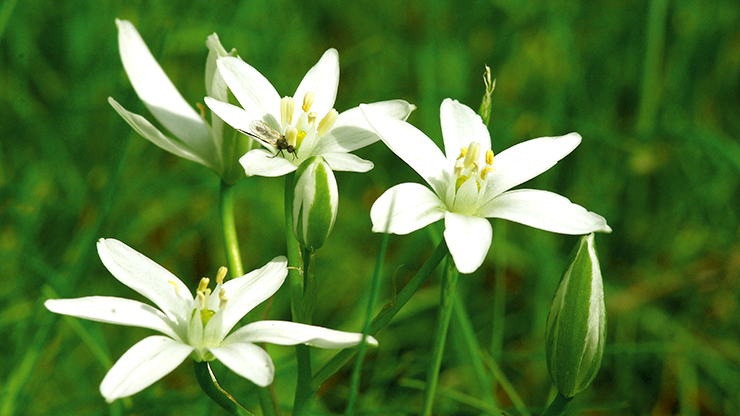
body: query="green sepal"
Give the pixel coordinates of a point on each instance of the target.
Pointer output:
(576, 325)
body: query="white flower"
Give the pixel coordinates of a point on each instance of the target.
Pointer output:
(194, 139)
(195, 327)
(470, 185)
(307, 120)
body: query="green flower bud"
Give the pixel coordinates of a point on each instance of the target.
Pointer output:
(576, 325)
(315, 202)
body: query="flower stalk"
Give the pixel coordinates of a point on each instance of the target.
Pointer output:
(449, 284)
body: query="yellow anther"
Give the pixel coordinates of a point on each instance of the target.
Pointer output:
(221, 275)
(222, 299)
(463, 152)
(489, 157)
(327, 122)
(458, 168)
(287, 107)
(312, 116)
(203, 285)
(290, 135)
(307, 101)
(473, 154)
(177, 288)
(486, 171)
(201, 298)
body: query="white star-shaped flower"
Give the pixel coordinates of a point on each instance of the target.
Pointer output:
(469, 185)
(307, 122)
(193, 326)
(192, 137)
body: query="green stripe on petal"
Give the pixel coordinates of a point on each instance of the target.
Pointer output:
(315, 202)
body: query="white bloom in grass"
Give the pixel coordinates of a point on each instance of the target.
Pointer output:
(308, 121)
(194, 139)
(194, 326)
(470, 185)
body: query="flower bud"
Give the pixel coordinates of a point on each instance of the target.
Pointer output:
(576, 325)
(315, 202)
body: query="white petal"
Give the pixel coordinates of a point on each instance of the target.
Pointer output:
(236, 117)
(174, 146)
(544, 210)
(260, 162)
(156, 90)
(215, 84)
(253, 91)
(405, 208)
(347, 162)
(291, 333)
(408, 143)
(248, 291)
(460, 126)
(526, 160)
(146, 362)
(247, 360)
(112, 310)
(351, 131)
(148, 278)
(468, 239)
(322, 80)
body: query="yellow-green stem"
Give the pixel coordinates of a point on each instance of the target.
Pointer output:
(234, 260)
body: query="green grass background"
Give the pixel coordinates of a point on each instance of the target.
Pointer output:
(653, 87)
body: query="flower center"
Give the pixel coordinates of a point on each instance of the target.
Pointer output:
(467, 165)
(306, 124)
(203, 294)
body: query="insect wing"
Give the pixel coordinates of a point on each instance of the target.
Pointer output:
(262, 131)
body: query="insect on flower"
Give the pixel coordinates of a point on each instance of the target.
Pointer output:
(266, 134)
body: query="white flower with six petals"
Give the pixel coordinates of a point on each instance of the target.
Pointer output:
(313, 127)
(194, 139)
(194, 326)
(469, 185)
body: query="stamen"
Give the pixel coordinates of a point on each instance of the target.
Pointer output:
(489, 157)
(473, 154)
(177, 288)
(221, 275)
(287, 107)
(290, 135)
(474, 168)
(327, 122)
(203, 285)
(222, 299)
(307, 101)
(201, 299)
(312, 116)
(486, 171)
(463, 152)
(458, 168)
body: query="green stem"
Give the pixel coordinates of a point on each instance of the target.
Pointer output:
(295, 274)
(302, 292)
(558, 406)
(447, 299)
(234, 260)
(374, 288)
(385, 316)
(210, 386)
(233, 256)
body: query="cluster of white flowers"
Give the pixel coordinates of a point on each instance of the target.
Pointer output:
(468, 185)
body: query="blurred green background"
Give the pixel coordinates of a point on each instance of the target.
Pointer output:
(653, 88)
